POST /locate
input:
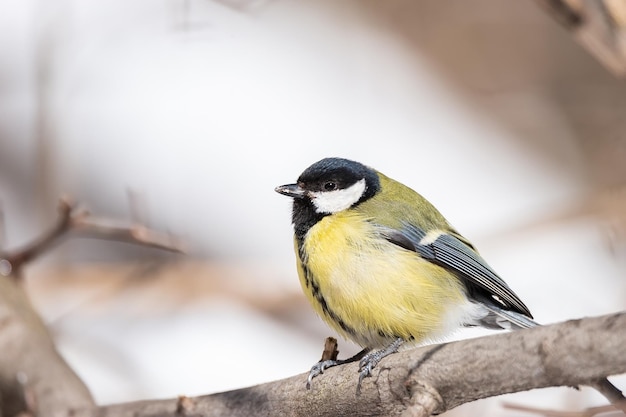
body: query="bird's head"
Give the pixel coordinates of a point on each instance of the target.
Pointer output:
(332, 185)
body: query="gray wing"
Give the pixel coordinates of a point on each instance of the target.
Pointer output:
(454, 254)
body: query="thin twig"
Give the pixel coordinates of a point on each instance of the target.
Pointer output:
(23, 256)
(105, 229)
(74, 220)
(330, 349)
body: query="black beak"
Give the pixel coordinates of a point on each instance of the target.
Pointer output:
(291, 190)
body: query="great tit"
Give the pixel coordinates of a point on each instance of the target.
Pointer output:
(383, 267)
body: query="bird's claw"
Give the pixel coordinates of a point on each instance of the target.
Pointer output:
(369, 361)
(366, 365)
(318, 369)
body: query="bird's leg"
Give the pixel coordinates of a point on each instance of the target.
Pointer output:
(321, 366)
(369, 361)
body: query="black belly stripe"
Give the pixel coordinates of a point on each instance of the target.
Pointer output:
(302, 257)
(317, 294)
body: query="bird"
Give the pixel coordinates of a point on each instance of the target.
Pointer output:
(384, 268)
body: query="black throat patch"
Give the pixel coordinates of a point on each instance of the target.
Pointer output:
(304, 216)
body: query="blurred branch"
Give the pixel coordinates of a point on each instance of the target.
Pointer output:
(598, 25)
(34, 379)
(423, 381)
(74, 220)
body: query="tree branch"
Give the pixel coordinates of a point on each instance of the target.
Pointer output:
(73, 220)
(423, 381)
(34, 378)
(418, 382)
(599, 26)
(32, 374)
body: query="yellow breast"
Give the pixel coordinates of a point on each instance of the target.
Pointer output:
(372, 291)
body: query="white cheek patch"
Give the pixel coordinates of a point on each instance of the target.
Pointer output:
(337, 200)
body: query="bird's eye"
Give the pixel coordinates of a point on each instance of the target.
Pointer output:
(330, 186)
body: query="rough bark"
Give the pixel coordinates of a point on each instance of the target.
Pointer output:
(422, 381)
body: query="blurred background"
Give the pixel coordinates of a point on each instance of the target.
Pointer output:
(510, 116)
